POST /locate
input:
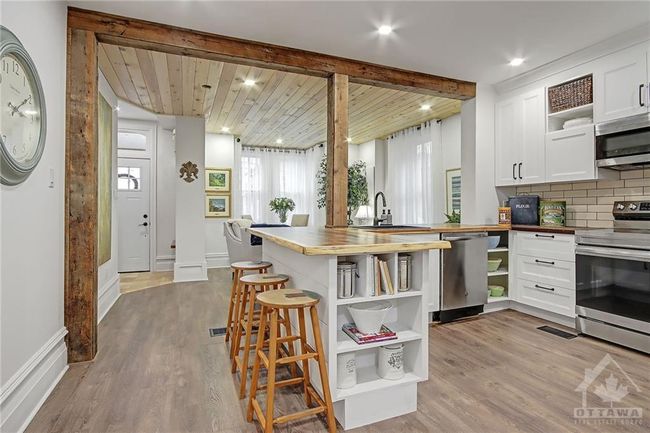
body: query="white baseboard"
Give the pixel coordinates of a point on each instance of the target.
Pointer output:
(214, 260)
(543, 314)
(26, 391)
(164, 263)
(108, 295)
(190, 271)
(217, 260)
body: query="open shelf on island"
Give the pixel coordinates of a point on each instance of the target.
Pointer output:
(368, 380)
(398, 295)
(346, 344)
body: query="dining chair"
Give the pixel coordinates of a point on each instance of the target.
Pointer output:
(299, 220)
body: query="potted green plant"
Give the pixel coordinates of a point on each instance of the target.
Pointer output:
(282, 205)
(357, 186)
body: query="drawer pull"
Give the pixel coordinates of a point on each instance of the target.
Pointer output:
(550, 289)
(537, 235)
(544, 262)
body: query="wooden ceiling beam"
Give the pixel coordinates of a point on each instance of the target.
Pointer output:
(135, 33)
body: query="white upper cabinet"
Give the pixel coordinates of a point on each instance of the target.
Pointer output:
(531, 167)
(571, 155)
(507, 142)
(519, 139)
(621, 85)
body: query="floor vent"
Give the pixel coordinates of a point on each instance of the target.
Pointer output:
(217, 332)
(558, 332)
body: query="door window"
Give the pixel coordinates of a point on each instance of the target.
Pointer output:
(128, 178)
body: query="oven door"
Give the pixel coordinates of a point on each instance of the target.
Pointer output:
(613, 286)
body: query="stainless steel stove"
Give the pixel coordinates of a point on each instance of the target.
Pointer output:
(613, 278)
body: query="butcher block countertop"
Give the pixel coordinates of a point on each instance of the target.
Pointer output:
(557, 230)
(312, 241)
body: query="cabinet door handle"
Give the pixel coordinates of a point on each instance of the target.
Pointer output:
(537, 235)
(641, 103)
(550, 289)
(520, 164)
(514, 166)
(544, 262)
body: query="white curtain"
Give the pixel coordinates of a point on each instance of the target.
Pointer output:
(409, 175)
(269, 173)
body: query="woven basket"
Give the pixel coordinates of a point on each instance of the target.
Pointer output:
(571, 94)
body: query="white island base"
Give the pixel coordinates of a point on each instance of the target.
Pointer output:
(372, 399)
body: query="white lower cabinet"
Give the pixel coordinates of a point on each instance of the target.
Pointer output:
(544, 271)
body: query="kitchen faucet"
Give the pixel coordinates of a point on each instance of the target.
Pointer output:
(384, 219)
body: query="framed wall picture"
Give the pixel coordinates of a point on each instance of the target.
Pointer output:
(453, 190)
(217, 205)
(217, 179)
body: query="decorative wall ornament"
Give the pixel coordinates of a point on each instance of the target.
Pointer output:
(189, 172)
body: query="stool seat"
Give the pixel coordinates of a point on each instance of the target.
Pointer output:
(264, 279)
(288, 298)
(251, 265)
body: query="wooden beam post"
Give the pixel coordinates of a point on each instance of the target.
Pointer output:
(337, 150)
(81, 196)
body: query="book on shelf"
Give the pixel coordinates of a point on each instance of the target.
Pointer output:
(360, 338)
(377, 278)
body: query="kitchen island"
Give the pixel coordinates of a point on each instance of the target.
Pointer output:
(310, 257)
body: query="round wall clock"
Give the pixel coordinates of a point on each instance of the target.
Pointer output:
(22, 107)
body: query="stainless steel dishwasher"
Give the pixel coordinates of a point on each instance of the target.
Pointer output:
(463, 285)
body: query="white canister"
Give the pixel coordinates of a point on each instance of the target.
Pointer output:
(390, 364)
(346, 370)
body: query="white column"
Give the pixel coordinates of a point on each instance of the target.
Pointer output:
(190, 262)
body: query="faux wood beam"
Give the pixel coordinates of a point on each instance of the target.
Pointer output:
(337, 150)
(136, 33)
(81, 196)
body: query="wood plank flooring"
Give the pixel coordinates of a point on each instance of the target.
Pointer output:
(158, 370)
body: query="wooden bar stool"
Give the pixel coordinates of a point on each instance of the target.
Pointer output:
(272, 302)
(233, 307)
(251, 285)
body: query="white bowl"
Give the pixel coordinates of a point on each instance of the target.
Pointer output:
(369, 316)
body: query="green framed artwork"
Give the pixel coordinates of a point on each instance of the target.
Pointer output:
(217, 179)
(217, 205)
(104, 179)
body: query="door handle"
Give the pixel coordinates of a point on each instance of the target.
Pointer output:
(544, 262)
(537, 235)
(520, 164)
(514, 166)
(641, 103)
(550, 289)
(145, 224)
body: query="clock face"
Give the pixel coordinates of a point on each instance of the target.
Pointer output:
(20, 122)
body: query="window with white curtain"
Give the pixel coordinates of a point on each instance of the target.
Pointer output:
(269, 173)
(409, 175)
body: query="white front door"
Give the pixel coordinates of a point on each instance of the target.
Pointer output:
(134, 221)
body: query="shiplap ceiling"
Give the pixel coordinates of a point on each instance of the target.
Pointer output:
(280, 105)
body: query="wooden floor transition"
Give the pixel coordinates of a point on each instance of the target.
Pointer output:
(158, 370)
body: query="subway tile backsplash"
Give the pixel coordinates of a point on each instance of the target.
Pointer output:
(589, 204)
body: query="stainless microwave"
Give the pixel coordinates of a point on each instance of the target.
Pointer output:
(624, 144)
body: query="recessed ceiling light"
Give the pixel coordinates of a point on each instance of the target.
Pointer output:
(278, 141)
(117, 108)
(516, 61)
(425, 107)
(349, 139)
(249, 82)
(225, 129)
(385, 29)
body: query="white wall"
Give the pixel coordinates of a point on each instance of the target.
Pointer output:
(165, 200)
(108, 280)
(32, 349)
(190, 263)
(219, 153)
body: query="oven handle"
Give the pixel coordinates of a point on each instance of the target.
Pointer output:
(613, 253)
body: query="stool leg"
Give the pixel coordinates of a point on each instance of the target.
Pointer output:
(235, 313)
(291, 348)
(270, 385)
(303, 350)
(232, 300)
(315, 325)
(247, 343)
(240, 309)
(259, 345)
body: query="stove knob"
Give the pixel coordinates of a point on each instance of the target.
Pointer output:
(633, 206)
(620, 206)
